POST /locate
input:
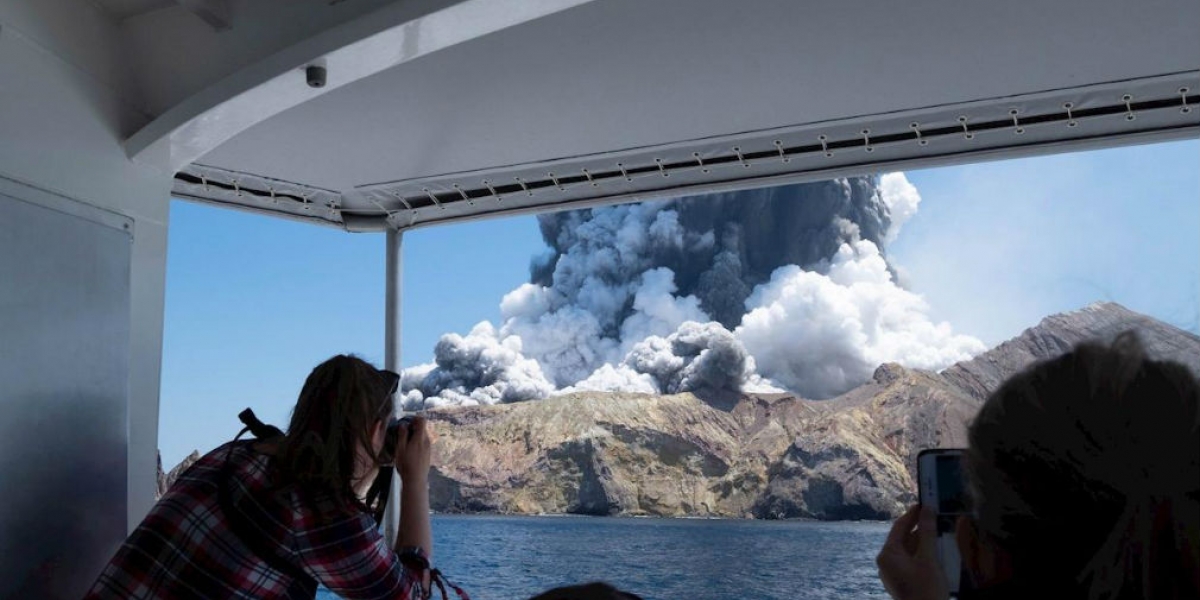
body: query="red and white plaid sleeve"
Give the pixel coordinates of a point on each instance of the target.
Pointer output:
(350, 557)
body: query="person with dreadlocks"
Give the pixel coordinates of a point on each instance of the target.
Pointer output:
(273, 518)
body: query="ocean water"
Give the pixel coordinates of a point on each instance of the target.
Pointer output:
(513, 558)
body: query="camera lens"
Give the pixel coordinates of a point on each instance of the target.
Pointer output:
(386, 455)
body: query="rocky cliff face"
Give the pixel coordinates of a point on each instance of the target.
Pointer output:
(1056, 334)
(764, 456)
(166, 479)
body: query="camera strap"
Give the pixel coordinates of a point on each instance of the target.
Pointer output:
(377, 494)
(417, 561)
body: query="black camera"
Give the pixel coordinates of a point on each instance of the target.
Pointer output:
(386, 457)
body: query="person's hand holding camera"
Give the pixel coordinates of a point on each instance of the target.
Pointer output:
(411, 456)
(411, 459)
(908, 562)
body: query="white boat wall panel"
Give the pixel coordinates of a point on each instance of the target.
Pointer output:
(64, 113)
(64, 382)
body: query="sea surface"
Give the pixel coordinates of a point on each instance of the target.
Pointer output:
(513, 558)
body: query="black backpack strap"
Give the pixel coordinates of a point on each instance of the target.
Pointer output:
(256, 427)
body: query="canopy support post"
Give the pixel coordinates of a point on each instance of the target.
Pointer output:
(391, 358)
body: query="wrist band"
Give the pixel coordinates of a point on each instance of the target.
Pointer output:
(413, 557)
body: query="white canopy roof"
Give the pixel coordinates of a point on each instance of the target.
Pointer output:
(438, 111)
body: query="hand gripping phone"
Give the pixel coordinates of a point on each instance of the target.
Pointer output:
(942, 486)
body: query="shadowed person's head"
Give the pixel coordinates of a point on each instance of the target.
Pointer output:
(590, 591)
(1084, 474)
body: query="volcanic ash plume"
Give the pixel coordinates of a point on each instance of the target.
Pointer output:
(824, 331)
(778, 288)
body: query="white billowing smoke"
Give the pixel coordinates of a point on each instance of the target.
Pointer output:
(825, 331)
(901, 199)
(656, 309)
(761, 290)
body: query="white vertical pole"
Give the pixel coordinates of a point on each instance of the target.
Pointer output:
(391, 358)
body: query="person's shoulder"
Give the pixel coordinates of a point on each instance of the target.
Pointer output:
(234, 452)
(216, 464)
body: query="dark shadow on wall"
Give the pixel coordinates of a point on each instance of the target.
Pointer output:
(64, 484)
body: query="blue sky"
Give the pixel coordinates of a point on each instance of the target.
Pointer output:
(253, 302)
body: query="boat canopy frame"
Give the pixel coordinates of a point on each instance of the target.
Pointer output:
(1138, 111)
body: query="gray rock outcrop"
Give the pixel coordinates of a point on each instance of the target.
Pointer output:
(166, 479)
(765, 456)
(1102, 321)
(751, 455)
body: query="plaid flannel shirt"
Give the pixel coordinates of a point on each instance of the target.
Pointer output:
(185, 547)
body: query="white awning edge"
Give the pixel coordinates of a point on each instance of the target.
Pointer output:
(1136, 111)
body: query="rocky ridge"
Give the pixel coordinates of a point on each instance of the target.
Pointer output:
(745, 455)
(1054, 335)
(166, 479)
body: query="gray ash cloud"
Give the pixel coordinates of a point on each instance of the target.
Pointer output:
(766, 289)
(731, 242)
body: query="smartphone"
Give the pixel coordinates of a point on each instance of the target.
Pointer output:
(941, 485)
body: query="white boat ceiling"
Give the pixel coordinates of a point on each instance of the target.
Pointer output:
(443, 111)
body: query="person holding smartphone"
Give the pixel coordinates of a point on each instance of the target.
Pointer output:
(1083, 482)
(273, 518)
